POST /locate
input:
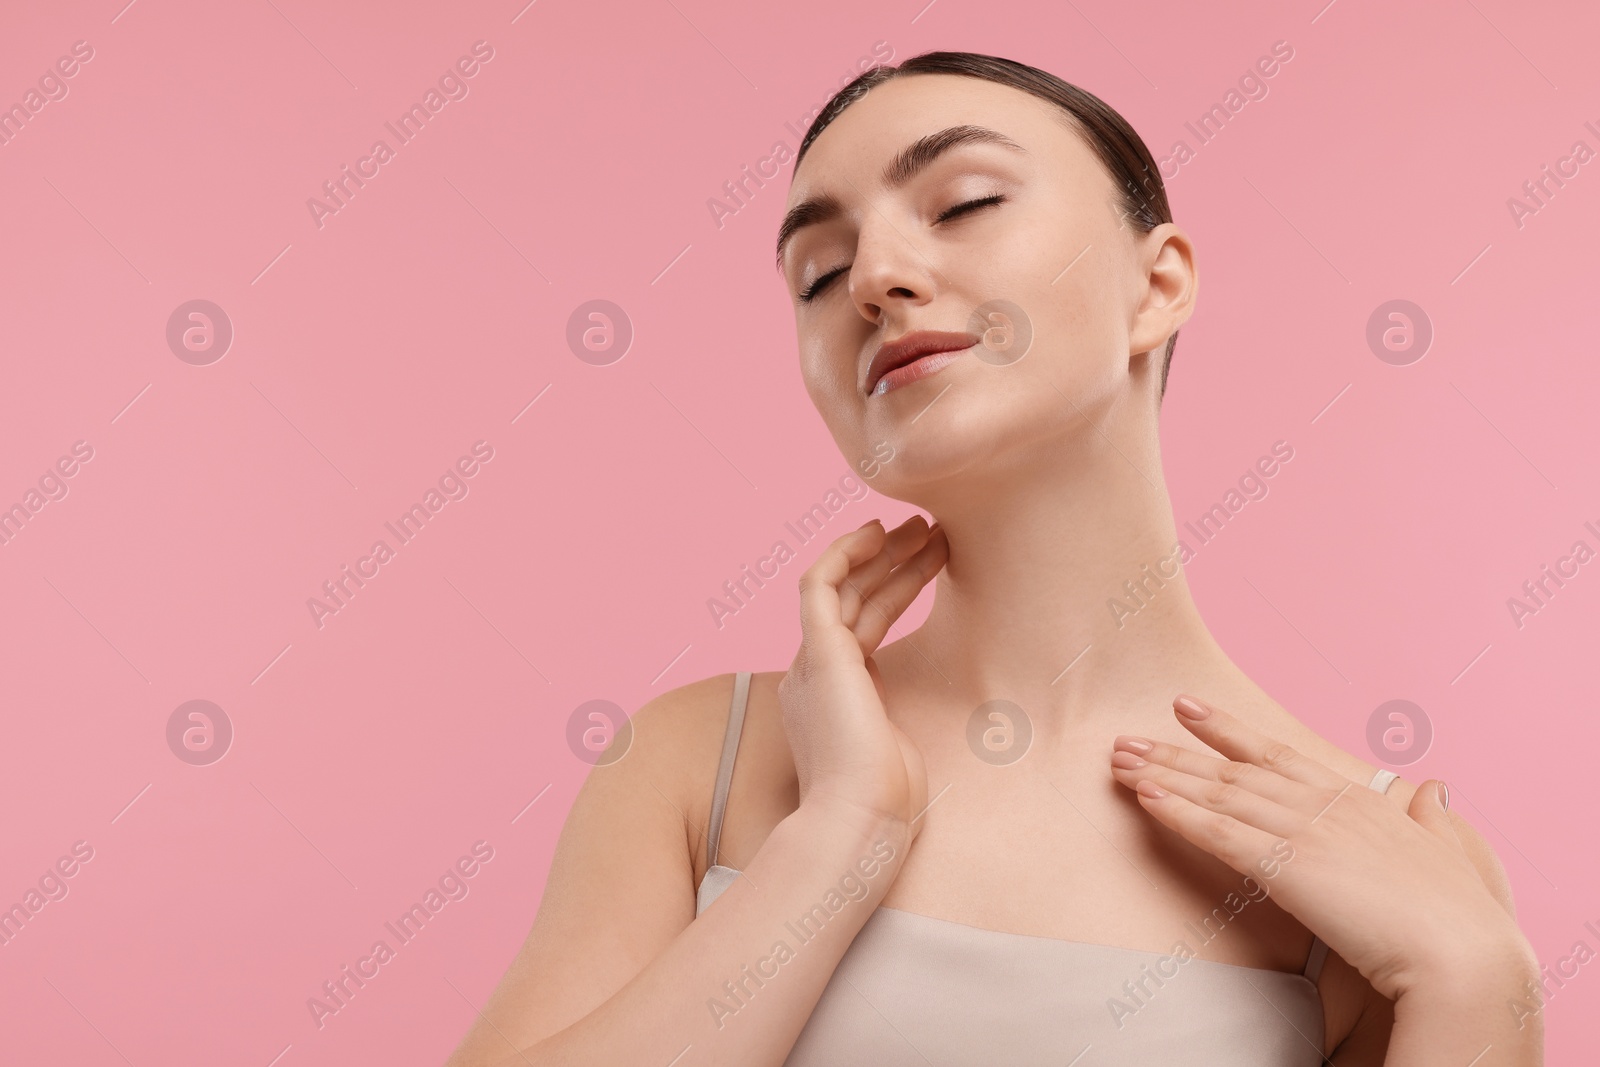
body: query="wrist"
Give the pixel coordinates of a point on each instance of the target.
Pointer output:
(852, 829)
(1476, 972)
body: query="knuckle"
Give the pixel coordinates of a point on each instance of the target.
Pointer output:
(1219, 794)
(1277, 756)
(1217, 827)
(1233, 772)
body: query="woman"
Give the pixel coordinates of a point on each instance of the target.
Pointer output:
(987, 286)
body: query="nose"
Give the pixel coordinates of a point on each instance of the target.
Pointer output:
(888, 272)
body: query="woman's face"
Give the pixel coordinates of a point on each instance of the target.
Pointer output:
(1033, 232)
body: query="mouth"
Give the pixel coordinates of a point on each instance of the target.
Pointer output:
(914, 356)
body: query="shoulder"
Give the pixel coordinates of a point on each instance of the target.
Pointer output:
(676, 746)
(1307, 741)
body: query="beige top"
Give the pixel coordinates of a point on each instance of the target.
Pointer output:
(915, 991)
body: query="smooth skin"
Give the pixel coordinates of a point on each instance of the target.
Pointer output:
(1045, 477)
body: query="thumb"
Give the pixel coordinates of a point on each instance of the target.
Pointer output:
(1430, 807)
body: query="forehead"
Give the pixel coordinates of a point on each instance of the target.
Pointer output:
(870, 132)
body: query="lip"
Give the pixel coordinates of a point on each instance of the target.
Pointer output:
(912, 347)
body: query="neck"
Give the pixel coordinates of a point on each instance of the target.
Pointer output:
(1063, 590)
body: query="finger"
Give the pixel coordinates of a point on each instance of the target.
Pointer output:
(890, 600)
(1260, 781)
(819, 584)
(1428, 807)
(1244, 848)
(902, 541)
(1231, 737)
(1247, 807)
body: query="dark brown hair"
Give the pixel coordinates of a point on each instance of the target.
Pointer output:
(1143, 196)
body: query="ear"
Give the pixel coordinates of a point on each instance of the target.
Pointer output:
(1172, 282)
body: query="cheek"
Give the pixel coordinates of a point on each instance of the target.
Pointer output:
(831, 384)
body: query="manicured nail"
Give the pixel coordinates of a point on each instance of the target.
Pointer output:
(864, 525)
(1126, 761)
(1150, 789)
(1191, 708)
(1444, 795)
(1133, 744)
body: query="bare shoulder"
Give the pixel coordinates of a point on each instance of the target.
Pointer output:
(679, 738)
(622, 883)
(676, 743)
(764, 789)
(1277, 722)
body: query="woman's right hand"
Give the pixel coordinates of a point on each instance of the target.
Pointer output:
(847, 754)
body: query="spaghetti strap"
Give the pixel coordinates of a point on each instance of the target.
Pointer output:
(1319, 948)
(730, 749)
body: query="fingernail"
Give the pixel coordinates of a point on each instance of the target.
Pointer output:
(1191, 708)
(1150, 789)
(1126, 761)
(1134, 744)
(1444, 795)
(864, 525)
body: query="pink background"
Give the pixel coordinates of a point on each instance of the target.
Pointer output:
(431, 310)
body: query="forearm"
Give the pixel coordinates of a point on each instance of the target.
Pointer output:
(1485, 1014)
(737, 985)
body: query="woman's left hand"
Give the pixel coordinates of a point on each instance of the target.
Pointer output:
(1392, 892)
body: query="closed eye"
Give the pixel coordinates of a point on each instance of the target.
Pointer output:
(810, 293)
(970, 205)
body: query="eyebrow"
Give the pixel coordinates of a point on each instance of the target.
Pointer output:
(912, 160)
